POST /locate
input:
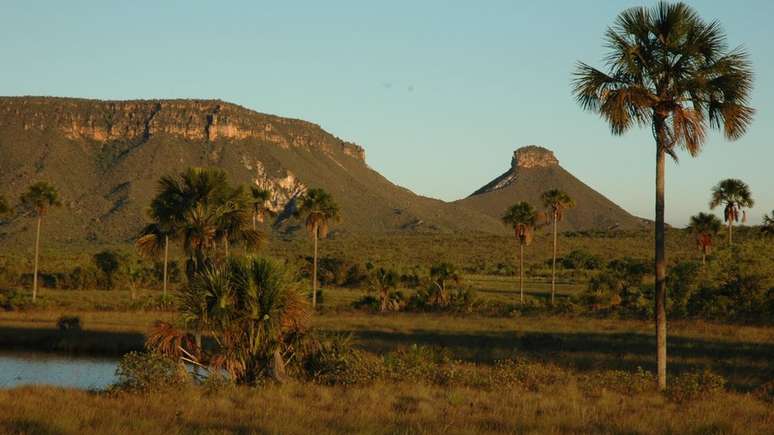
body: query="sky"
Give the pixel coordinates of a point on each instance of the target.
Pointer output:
(439, 93)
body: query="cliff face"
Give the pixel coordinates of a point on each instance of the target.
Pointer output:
(106, 157)
(192, 120)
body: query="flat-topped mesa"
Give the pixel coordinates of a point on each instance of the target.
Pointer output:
(533, 156)
(195, 120)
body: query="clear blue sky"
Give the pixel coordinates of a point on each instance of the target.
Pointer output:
(439, 93)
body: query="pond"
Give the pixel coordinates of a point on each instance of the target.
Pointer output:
(35, 368)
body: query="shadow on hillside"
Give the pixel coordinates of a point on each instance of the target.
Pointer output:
(73, 342)
(745, 365)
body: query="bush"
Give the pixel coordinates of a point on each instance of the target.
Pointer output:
(14, 300)
(694, 385)
(580, 259)
(529, 375)
(69, 323)
(622, 382)
(332, 360)
(146, 372)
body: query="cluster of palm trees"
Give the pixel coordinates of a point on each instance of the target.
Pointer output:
(208, 216)
(524, 219)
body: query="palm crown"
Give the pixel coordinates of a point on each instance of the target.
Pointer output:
(735, 195)
(320, 209)
(768, 224)
(523, 219)
(258, 199)
(556, 202)
(669, 67)
(40, 197)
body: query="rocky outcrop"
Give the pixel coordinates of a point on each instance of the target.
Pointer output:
(193, 120)
(533, 156)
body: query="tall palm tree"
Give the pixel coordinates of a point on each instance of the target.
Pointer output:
(258, 203)
(768, 224)
(234, 216)
(320, 210)
(38, 199)
(153, 241)
(668, 70)
(523, 219)
(735, 196)
(555, 201)
(704, 226)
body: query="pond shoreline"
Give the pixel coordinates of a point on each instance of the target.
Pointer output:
(71, 342)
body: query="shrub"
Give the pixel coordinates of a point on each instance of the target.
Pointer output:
(694, 385)
(527, 374)
(620, 381)
(332, 360)
(69, 323)
(146, 372)
(13, 300)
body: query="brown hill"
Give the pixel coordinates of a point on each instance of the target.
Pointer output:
(105, 158)
(534, 170)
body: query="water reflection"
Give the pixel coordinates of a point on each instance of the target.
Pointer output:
(33, 368)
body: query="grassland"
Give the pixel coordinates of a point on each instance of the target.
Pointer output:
(581, 349)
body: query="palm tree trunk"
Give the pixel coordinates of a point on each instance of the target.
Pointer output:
(254, 226)
(314, 271)
(660, 266)
(730, 232)
(37, 253)
(553, 264)
(166, 260)
(521, 273)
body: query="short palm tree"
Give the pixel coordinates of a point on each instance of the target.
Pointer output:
(556, 202)
(320, 210)
(735, 196)
(384, 280)
(37, 200)
(768, 224)
(251, 312)
(441, 275)
(523, 219)
(672, 72)
(704, 226)
(259, 199)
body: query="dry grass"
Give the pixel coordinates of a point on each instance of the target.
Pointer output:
(376, 409)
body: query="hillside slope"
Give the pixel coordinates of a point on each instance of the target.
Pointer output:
(105, 158)
(534, 170)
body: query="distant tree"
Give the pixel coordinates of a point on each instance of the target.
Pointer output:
(383, 280)
(555, 201)
(135, 275)
(37, 200)
(768, 224)
(441, 275)
(704, 226)
(735, 196)
(523, 219)
(259, 199)
(320, 210)
(5, 208)
(108, 263)
(668, 70)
